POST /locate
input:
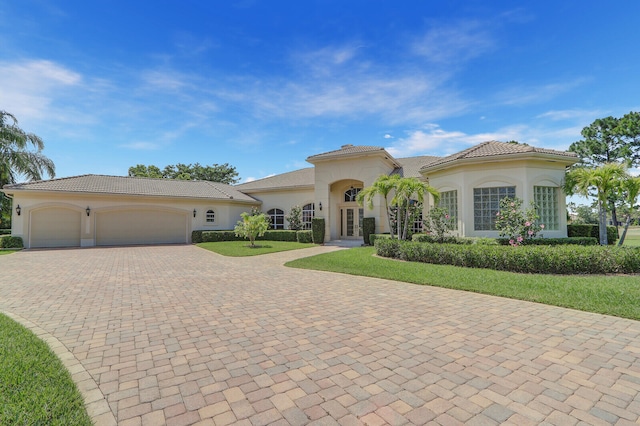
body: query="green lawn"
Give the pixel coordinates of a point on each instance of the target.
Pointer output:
(7, 252)
(35, 388)
(633, 237)
(611, 295)
(243, 248)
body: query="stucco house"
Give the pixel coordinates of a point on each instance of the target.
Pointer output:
(95, 210)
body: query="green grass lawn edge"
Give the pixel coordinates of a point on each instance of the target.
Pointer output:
(617, 295)
(35, 387)
(242, 248)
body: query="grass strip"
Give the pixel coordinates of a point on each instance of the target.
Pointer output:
(617, 295)
(243, 248)
(35, 388)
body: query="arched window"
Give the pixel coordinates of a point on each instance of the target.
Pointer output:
(351, 193)
(211, 216)
(308, 212)
(277, 218)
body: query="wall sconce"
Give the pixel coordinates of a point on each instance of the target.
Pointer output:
(18, 209)
(88, 210)
(194, 212)
(320, 205)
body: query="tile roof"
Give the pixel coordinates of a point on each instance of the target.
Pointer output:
(125, 185)
(411, 165)
(297, 178)
(496, 149)
(346, 151)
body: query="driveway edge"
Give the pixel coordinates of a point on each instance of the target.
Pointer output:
(94, 400)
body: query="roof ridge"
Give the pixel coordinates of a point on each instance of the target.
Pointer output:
(277, 174)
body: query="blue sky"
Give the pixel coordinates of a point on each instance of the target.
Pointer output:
(262, 85)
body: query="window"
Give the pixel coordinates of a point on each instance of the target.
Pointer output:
(211, 216)
(486, 203)
(277, 218)
(416, 227)
(351, 194)
(546, 200)
(449, 202)
(308, 212)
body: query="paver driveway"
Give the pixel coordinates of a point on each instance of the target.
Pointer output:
(178, 335)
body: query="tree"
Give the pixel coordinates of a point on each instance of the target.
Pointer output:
(609, 140)
(252, 226)
(141, 170)
(408, 195)
(604, 180)
(295, 218)
(630, 188)
(223, 173)
(382, 186)
(21, 153)
(20, 157)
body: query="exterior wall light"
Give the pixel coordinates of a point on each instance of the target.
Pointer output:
(320, 205)
(18, 210)
(194, 212)
(88, 210)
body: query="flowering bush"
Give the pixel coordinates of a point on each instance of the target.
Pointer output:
(515, 223)
(437, 222)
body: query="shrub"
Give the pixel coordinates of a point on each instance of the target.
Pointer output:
(317, 230)
(579, 241)
(295, 218)
(562, 259)
(8, 241)
(279, 235)
(516, 224)
(304, 236)
(5, 231)
(589, 230)
(373, 237)
(213, 236)
(368, 228)
(438, 224)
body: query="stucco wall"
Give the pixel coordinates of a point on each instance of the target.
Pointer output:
(524, 175)
(227, 213)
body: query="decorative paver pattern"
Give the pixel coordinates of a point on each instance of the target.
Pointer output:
(178, 335)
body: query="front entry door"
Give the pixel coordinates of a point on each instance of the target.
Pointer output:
(351, 222)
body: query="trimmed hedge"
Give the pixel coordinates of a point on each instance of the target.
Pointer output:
(368, 228)
(527, 259)
(374, 237)
(270, 235)
(589, 230)
(579, 241)
(304, 236)
(8, 241)
(317, 230)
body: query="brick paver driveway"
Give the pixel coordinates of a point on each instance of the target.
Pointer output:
(178, 335)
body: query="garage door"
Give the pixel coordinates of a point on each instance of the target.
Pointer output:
(55, 227)
(126, 227)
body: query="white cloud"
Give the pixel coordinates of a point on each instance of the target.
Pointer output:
(432, 140)
(141, 146)
(454, 43)
(388, 136)
(523, 95)
(28, 88)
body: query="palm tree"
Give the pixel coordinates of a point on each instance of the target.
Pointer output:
(16, 159)
(408, 190)
(403, 190)
(630, 187)
(382, 186)
(605, 180)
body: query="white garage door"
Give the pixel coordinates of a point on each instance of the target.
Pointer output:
(126, 227)
(55, 227)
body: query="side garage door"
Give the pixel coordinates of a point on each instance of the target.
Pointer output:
(55, 227)
(126, 227)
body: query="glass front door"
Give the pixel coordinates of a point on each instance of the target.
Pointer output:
(351, 222)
